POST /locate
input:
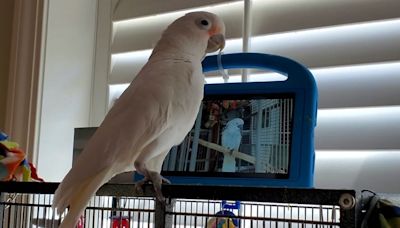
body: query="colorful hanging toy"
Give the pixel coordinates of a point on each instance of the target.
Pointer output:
(13, 165)
(225, 222)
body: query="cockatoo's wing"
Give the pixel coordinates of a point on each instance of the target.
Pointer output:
(126, 130)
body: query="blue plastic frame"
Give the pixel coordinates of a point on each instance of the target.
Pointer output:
(301, 83)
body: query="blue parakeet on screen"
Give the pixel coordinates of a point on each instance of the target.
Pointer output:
(154, 114)
(231, 139)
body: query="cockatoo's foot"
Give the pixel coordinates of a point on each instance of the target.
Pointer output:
(231, 152)
(139, 185)
(157, 181)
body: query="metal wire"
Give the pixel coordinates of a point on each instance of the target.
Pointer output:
(192, 213)
(33, 210)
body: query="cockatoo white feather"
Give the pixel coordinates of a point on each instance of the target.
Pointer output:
(153, 114)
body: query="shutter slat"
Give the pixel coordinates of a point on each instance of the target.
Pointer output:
(373, 170)
(372, 128)
(143, 33)
(128, 9)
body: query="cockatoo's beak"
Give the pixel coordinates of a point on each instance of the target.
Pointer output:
(216, 42)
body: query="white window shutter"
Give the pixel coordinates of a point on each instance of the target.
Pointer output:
(351, 47)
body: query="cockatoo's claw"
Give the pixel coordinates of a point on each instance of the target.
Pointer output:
(159, 195)
(165, 180)
(139, 185)
(157, 181)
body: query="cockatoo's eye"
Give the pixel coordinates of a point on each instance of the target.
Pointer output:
(204, 24)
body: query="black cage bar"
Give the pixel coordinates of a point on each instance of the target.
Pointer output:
(117, 205)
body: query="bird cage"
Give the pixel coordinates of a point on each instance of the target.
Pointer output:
(117, 205)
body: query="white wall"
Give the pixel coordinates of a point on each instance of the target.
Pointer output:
(67, 82)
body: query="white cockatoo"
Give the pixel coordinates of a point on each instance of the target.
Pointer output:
(154, 113)
(231, 139)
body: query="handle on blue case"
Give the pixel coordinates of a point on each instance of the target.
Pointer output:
(295, 72)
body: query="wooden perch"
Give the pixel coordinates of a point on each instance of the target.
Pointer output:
(223, 150)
